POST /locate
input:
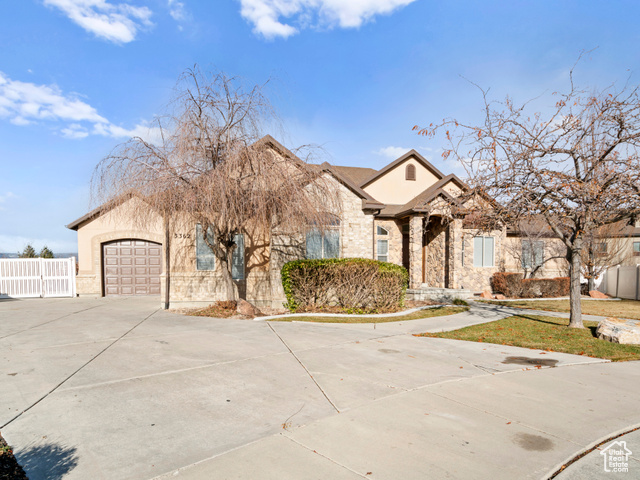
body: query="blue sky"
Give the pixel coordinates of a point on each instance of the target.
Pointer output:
(77, 77)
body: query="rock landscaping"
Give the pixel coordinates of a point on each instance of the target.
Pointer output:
(619, 331)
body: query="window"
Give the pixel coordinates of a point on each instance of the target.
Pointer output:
(532, 253)
(410, 172)
(382, 231)
(601, 249)
(205, 259)
(383, 250)
(323, 244)
(483, 251)
(636, 249)
(237, 261)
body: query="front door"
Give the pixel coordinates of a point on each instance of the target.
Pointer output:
(405, 250)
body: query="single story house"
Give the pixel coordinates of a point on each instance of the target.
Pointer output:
(401, 213)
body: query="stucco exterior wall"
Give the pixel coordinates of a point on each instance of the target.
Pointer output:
(262, 284)
(394, 189)
(557, 267)
(121, 222)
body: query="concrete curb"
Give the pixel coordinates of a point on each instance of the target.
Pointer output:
(340, 315)
(543, 299)
(556, 470)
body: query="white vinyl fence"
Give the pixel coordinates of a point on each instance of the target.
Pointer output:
(622, 282)
(37, 277)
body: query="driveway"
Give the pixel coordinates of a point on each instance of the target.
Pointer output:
(118, 389)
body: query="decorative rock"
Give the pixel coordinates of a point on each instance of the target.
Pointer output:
(245, 308)
(619, 331)
(486, 294)
(597, 294)
(500, 297)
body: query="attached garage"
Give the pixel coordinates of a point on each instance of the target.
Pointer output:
(131, 267)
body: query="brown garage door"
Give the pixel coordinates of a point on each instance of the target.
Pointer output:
(131, 267)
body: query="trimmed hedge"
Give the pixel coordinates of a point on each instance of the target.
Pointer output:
(545, 287)
(513, 285)
(508, 284)
(354, 285)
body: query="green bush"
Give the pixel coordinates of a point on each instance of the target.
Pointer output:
(353, 285)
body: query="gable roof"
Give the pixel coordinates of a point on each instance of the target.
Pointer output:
(419, 203)
(395, 163)
(98, 211)
(357, 174)
(367, 200)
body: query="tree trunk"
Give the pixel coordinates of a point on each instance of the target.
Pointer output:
(167, 262)
(592, 281)
(231, 287)
(575, 315)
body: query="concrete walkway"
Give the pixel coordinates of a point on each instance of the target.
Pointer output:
(117, 389)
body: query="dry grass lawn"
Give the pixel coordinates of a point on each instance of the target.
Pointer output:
(620, 309)
(544, 333)
(427, 313)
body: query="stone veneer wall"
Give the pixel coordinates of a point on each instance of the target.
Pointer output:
(465, 275)
(394, 238)
(415, 251)
(436, 251)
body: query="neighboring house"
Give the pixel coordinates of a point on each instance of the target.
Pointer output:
(400, 214)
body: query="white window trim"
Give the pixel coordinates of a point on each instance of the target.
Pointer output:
(378, 255)
(493, 259)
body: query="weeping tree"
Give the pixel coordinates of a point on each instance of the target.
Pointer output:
(213, 166)
(575, 165)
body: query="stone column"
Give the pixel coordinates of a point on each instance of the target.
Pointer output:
(415, 251)
(455, 252)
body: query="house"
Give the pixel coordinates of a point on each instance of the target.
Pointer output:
(402, 213)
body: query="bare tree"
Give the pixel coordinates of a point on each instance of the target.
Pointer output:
(214, 167)
(604, 248)
(536, 247)
(576, 166)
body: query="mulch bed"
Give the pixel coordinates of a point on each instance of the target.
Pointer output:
(9, 468)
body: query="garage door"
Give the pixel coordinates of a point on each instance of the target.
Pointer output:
(131, 267)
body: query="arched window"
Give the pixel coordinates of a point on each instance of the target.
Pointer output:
(410, 172)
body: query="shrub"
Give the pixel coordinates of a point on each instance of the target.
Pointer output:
(545, 287)
(354, 285)
(512, 285)
(459, 301)
(508, 284)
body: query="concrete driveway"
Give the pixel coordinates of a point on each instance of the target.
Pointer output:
(118, 389)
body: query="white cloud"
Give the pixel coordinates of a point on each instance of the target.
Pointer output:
(266, 15)
(392, 152)
(24, 103)
(117, 23)
(177, 10)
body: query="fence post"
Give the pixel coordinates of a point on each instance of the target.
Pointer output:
(617, 279)
(41, 263)
(73, 277)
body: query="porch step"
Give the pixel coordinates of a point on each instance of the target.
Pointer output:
(438, 294)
